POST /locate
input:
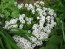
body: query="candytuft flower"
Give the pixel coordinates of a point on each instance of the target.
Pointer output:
(35, 19)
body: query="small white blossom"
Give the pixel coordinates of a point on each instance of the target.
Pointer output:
(12, 26)
(41, 2)
(15, 3)
(20, 5)
(28, 20)
(21, 18)
(21, 26)
(33, 11)
(38, 18)
(38, 43)
(48, 18)
(13, 21)
(33, 39)
(26, 5)
(30, 7)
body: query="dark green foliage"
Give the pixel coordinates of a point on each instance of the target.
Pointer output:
(8, 8)
(7, 42)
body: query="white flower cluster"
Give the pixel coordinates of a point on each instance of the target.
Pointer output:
(30, 7)
(41, 30)
(28, 20)
(38, 4)
(20, 5)
(25, 44)
(13, 22)
(22, 42)
(46, 22)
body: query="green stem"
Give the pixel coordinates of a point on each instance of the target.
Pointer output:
(63, 31)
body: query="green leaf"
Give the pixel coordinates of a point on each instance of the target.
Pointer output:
(7, 13)
(10, 44)
(63, 31)
(14, 14)
(1, 43)
(22, 33)
(51, 46)
(42, 48)
(55, 40)
(6, 41)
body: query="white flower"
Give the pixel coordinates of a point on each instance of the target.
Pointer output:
(35, 26)
(33, 11)
(37, 2)
(44, 13)
(38, 43)
(12, 26)
(38, 9)
(54, 14)
(48, 18)
(45, 35)
(7, 23)
(21, 26)
(30, 7)
(21, 18)
(42, 24)
(38, 17)
(29, 31)
(41, 2)
(44, 8)
(20, 6)
(38, 6)
(48, 31)
(33, 39)
(22, 21)
(53, 23)
(15, 3)
(26, 5)
(28, 20)
(51, 12)
(5, 26)
(42, 18)
(13, 21)
(36, 33)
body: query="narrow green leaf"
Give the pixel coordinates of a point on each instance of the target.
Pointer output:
(11, 42)
(63, 31)
(6, 41)
(1, 43)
